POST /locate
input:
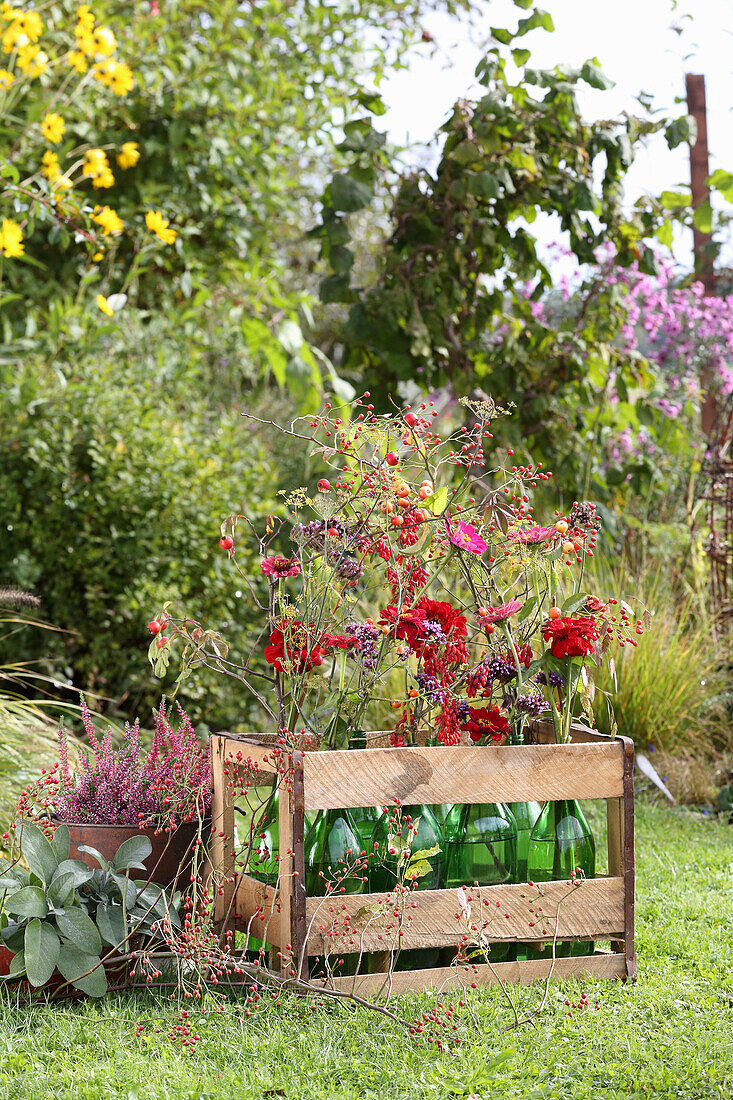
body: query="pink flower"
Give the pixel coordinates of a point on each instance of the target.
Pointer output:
(467, 538)
(532, 535)
(499, 614)
(278, 567)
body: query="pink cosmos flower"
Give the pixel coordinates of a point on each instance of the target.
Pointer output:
(278, 567)
(502, 612)
(532, 535)
(467, 538)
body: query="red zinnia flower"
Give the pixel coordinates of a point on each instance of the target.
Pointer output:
(405, 623)
(485, 722)
(570, 637)
(450, 620)
(298, 648)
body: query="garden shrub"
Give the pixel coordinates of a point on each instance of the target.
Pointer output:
(113, 479)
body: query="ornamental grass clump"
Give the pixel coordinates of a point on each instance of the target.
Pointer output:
(126, 784)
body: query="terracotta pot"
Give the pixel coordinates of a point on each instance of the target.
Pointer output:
(168, 864)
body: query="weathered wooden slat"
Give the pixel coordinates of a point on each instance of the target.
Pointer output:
(600, 965)
(222, 833)
(593, 910)
(241, 752)
(376, 777)
(253, 899)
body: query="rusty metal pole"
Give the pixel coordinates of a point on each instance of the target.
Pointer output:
(699, 174)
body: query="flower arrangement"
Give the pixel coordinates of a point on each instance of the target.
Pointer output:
(164, 786)
(416, 578)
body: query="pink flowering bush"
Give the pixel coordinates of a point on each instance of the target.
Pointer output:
(163, 786)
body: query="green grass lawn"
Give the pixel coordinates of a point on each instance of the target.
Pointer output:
(669, 1035)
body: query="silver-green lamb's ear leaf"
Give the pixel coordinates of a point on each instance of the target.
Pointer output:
(16, 968)
(127, 889)
(80, 930)
(84, 971)
(103, 863)
(132, 853)
(39, 855)
(61, 890)
(75, 867)
(111, 924)
(42, 948)
(60, 842)
(28, 902)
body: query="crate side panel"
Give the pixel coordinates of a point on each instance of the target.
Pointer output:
(601, 965)
(593, 910)
(376, 777)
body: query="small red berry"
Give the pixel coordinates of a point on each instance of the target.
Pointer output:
(227, 542)
(324, 485)
(391, 458)
(410, 419)
(155, 626)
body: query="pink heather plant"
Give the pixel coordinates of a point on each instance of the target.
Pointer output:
(128, 785)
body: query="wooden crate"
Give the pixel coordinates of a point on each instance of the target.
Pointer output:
(590, 767)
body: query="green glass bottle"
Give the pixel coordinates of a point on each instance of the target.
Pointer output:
(485, 852)
(264, 855)
(332, 848)
(561, 843)
(525, 815)
(364, 818)
(420, 832)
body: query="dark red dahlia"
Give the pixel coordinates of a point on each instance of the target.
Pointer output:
(295, 645)
(485, 722)
(570, 637)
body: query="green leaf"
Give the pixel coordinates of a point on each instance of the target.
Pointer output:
(103, 863)
(132, 853)
(438, 502)
(419, 869)
(521, 56)
(673, 200)
(28, 902)
(61, 889)
(702, 218)
(526, 609)
(681, 129)
(60, 842)
(574, 603)
(42, 947)
(79, 870)
(663, 233)
(348, 194)
(593, 74)
(112, 925)
(80, 930)
(426, 853)
(74, 963)
(39, 855)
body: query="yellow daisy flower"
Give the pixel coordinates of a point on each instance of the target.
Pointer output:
(85, 19)
(53, 127)
(104, 41)
(78, 61)
(50, 167)
(160, 226)
(104, 305)
(128, 155)
(6, 79)
(122, 81)
(109, 220)
(32, 60)
(11, 239)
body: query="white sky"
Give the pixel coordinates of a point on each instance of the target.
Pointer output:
(637, 48)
